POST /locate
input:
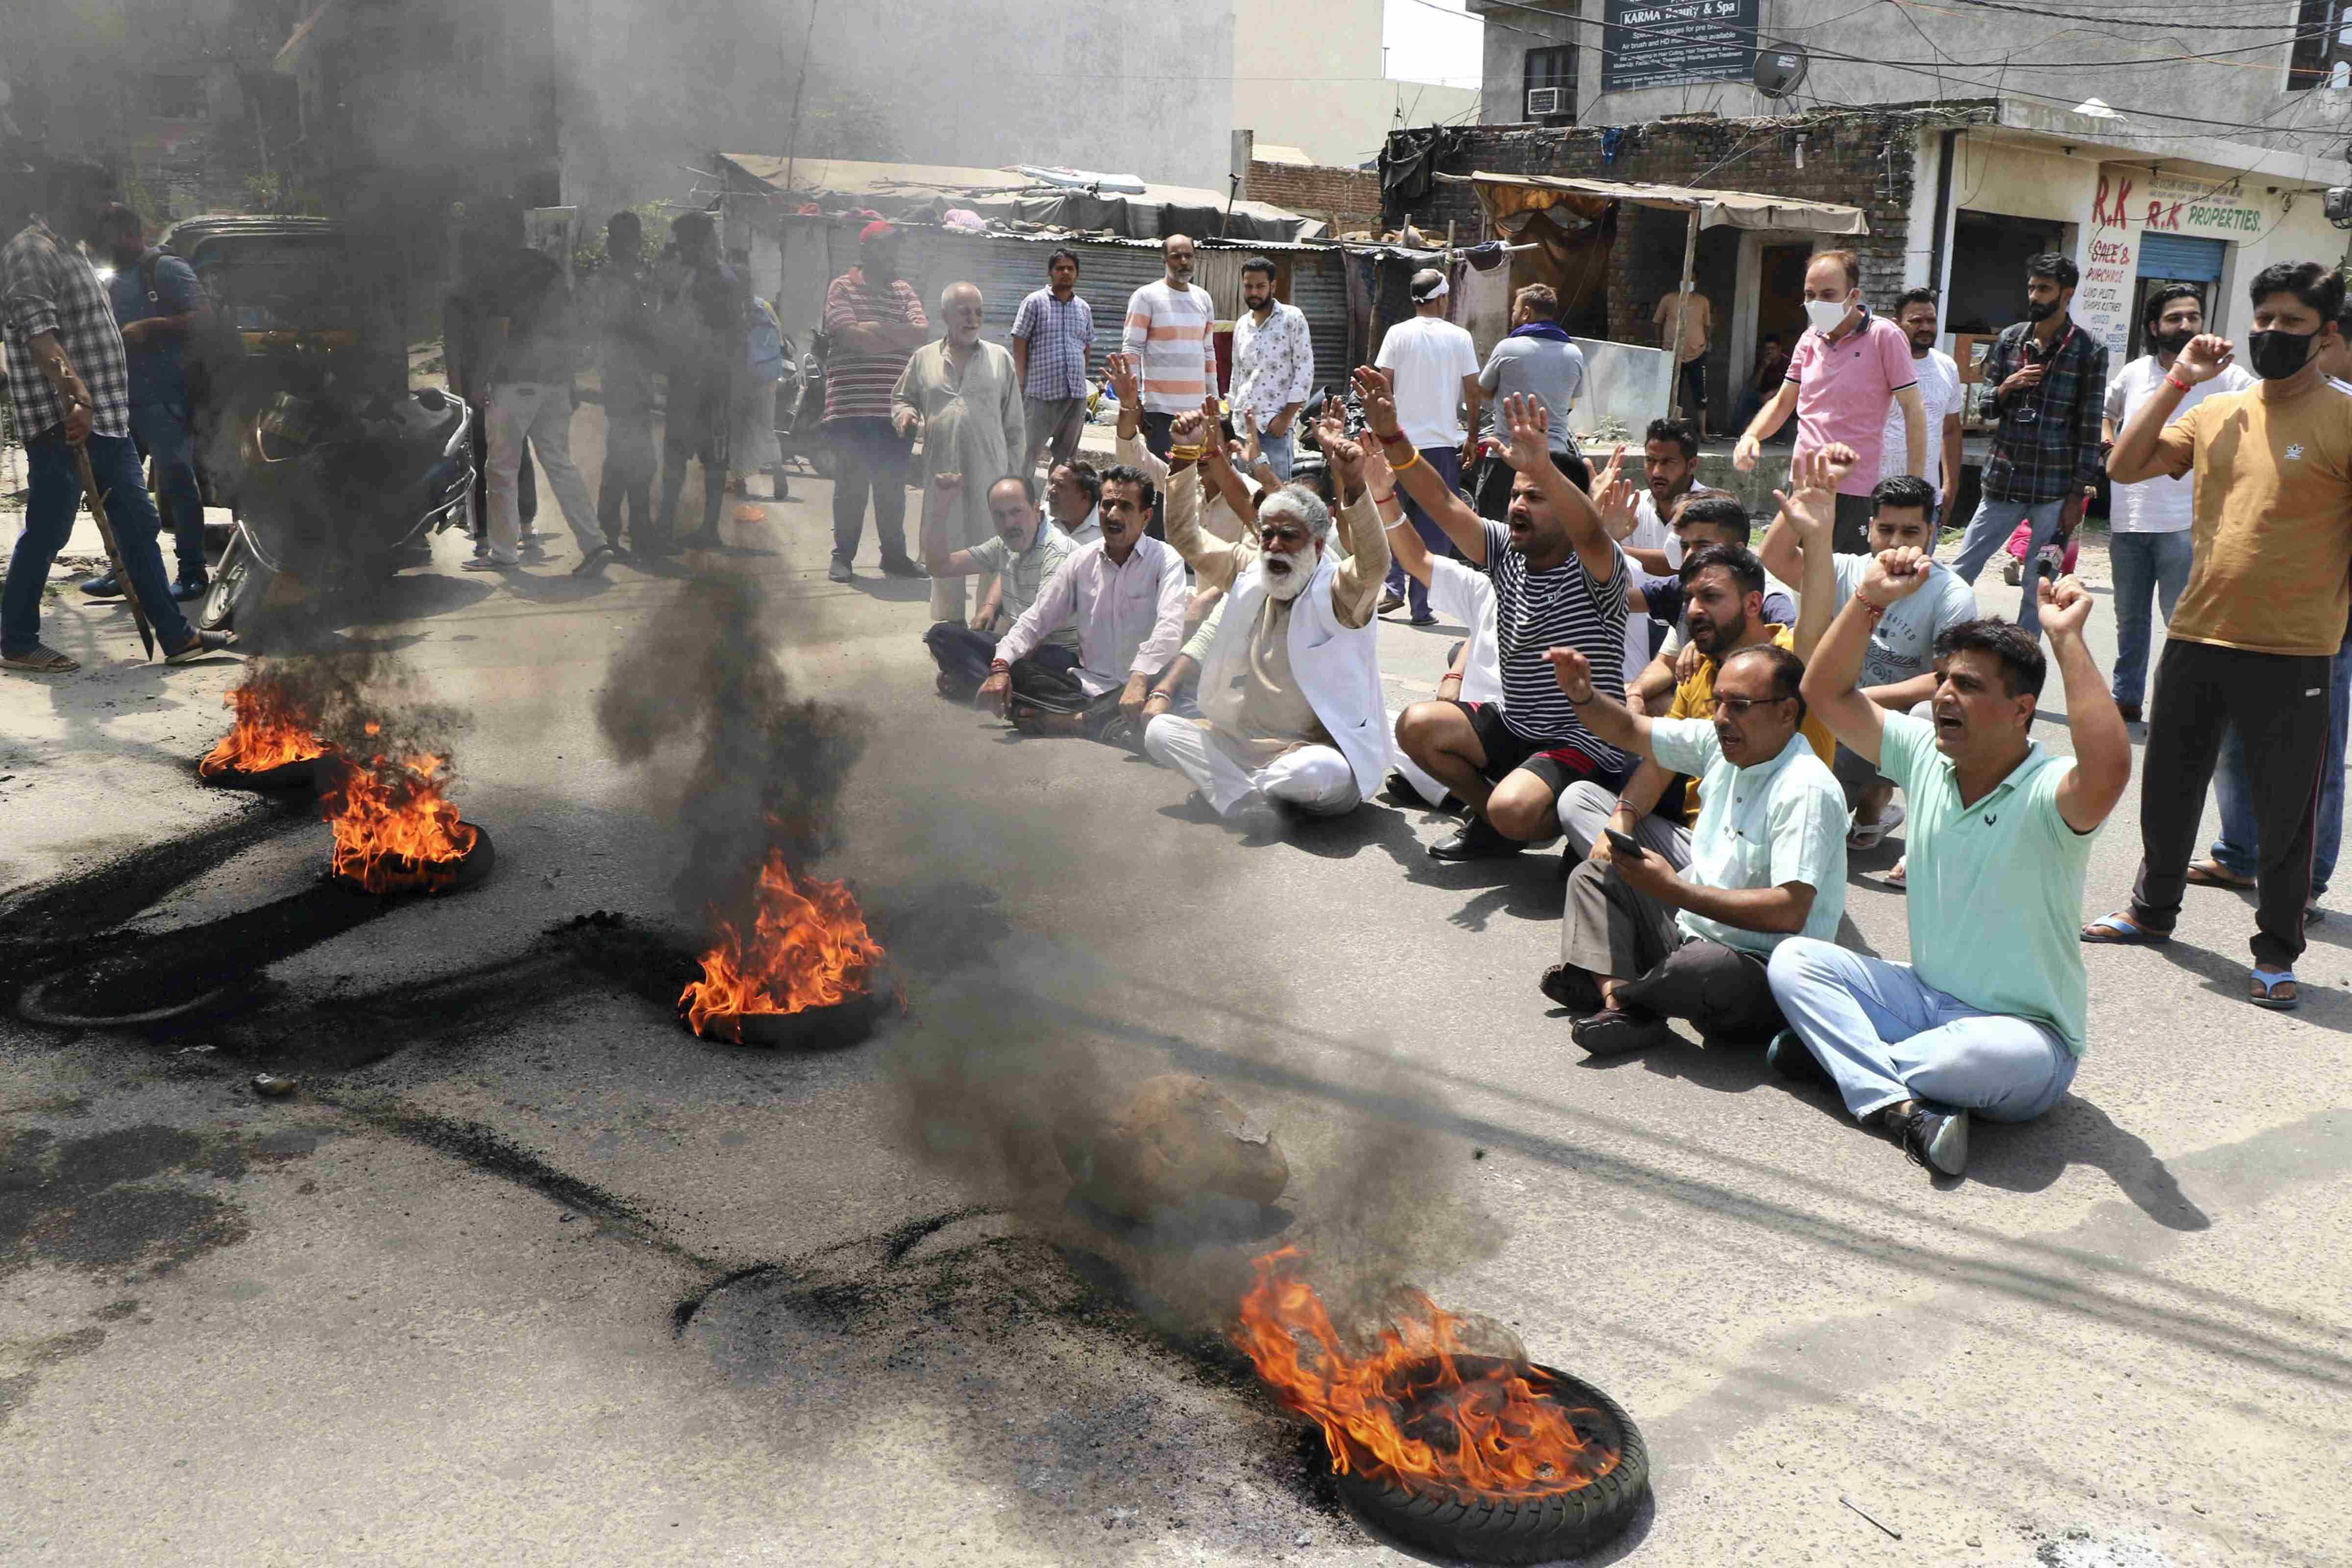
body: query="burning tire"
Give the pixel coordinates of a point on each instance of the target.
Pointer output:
(399, 874)
(286, 776)
(1535, 1526)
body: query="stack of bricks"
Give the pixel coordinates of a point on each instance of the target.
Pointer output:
(1347, 198)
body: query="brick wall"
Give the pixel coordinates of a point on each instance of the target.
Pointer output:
(1317, 191)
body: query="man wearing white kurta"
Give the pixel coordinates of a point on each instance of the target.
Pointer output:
(1291, 710)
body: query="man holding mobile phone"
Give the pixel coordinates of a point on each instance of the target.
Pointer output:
(1642, 942)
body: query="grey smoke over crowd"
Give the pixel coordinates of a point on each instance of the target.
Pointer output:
(737, 762)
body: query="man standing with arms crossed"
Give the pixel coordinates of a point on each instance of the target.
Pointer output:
(876, 323)
(1431, 367)
(1172, 330)
(1274, 367)
(1053, 340)
(1847, 367)
(2253, 644)
(2050, 388)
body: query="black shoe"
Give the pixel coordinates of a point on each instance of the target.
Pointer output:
(1399, 792)
(2130, 711)
(1936, 1139)
(1476, 841)
(1792, 1058)
(1421, 621)
(597, 555)
(188, 588)
(1571, 987)
(105, 586)
(1390, 604)
(1611, 1032)
(902, 566)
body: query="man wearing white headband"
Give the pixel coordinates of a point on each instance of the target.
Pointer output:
(1433, 367)
(1292, 712)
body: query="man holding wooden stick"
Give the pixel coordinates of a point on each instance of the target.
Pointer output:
(69, 388)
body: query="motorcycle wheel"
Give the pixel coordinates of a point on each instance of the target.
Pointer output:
(238, 583)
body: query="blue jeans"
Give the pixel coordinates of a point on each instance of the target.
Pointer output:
(56, 495)
(1280, 452)
(2239, 849)
(165, 438)
(1886, 1035)
(2146, 565)
(1989, 530)
(1446, 463)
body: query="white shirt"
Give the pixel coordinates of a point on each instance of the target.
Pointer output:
(1130, 618)
(1939, 394)
(2159, 505)
(1427, 357)
(1273, 364)
(1464, 593)
(1650, 532)
(1085, 532)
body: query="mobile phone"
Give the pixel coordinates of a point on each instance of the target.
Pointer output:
(1622, 843)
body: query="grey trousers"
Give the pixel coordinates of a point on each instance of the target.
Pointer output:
(1609, 929)
(1584, 808)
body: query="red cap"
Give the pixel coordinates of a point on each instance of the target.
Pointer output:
(878, 229)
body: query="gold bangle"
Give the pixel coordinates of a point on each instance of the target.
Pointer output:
(1184, 454)
(1397, 468)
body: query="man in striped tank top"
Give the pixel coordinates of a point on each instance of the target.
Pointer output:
(1172, 329)
(1559, 582)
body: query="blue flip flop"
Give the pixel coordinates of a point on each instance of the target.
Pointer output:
(2131, 933)
(2266, 982)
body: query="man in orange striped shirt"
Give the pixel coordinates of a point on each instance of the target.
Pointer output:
(1172, 329)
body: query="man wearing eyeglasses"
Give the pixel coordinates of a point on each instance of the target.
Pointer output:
(1642, 941)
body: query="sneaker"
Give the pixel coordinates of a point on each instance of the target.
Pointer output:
(188, 588)
(105, 586)
(1611, 1032)
(1792, 1058)
(1477, 840)
(902, 566)
(1937, 1138)
(203, 645)
(839, 571)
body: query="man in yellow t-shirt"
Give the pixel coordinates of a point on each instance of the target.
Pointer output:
(2251, 643)
(1723, 599)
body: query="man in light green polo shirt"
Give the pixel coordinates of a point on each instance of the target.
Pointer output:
(1989, 1015)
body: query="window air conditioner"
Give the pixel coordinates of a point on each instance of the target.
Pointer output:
(1545, 102)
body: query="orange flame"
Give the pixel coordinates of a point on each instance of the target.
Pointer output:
(809, 948)
(1405, 1407)
(394, 830)
(269, 732)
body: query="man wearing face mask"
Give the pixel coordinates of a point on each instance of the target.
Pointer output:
(2049, 381)
(1291, 708)
(2253, 640)
(2148, 545)
(1848, 369)
(964, 395)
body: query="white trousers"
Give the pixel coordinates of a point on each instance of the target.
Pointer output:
(1312, 778)
(543, 412)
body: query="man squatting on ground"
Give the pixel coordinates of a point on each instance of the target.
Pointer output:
(1290, 687)
(1126, 594)
(1989, 1015)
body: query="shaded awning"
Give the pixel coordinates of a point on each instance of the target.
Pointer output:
(1508, 196)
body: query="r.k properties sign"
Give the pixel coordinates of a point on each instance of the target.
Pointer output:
(1672, 43)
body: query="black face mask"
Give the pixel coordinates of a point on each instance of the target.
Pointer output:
(2171, 342)
(2038, 311)
(2275, 355)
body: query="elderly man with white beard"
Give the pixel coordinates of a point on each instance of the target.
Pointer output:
(1291, 708)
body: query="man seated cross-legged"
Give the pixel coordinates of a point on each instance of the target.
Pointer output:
(1022, 555)
(1988, 1018)
(1643, 940)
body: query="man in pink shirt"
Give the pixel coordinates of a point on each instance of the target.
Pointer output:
(1848, 366)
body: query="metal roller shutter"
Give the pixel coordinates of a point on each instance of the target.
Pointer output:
(2174, 256)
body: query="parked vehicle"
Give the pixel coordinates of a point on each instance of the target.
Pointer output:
(800, 410)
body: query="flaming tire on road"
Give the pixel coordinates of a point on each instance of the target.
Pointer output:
(397, 832)
(271, 746)
(808, 949)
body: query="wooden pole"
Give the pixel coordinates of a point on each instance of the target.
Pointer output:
(1682, 303)
(114, 550)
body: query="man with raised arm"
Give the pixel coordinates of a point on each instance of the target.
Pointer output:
(1989, 1015)
(1644, 940)
(1559, 581)
(1290, 685)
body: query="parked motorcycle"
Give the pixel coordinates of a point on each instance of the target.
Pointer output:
(325, 484)
(800, 410)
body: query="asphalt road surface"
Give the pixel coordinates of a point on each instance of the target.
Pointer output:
(524, 1273)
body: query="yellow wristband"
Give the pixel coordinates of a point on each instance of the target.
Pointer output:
(1397, 468)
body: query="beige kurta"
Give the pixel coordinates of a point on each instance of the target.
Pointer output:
(973, 426)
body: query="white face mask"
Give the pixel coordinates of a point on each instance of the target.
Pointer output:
(1825, 314)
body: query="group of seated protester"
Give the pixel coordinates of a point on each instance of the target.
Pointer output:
(1707, 802)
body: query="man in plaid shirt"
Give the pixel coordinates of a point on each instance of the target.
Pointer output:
(69, 389)
(2049, 386)
(1053, 341)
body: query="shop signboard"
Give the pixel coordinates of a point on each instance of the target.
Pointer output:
(1673, 43)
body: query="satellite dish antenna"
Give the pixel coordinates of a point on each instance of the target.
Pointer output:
(1780, 69)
